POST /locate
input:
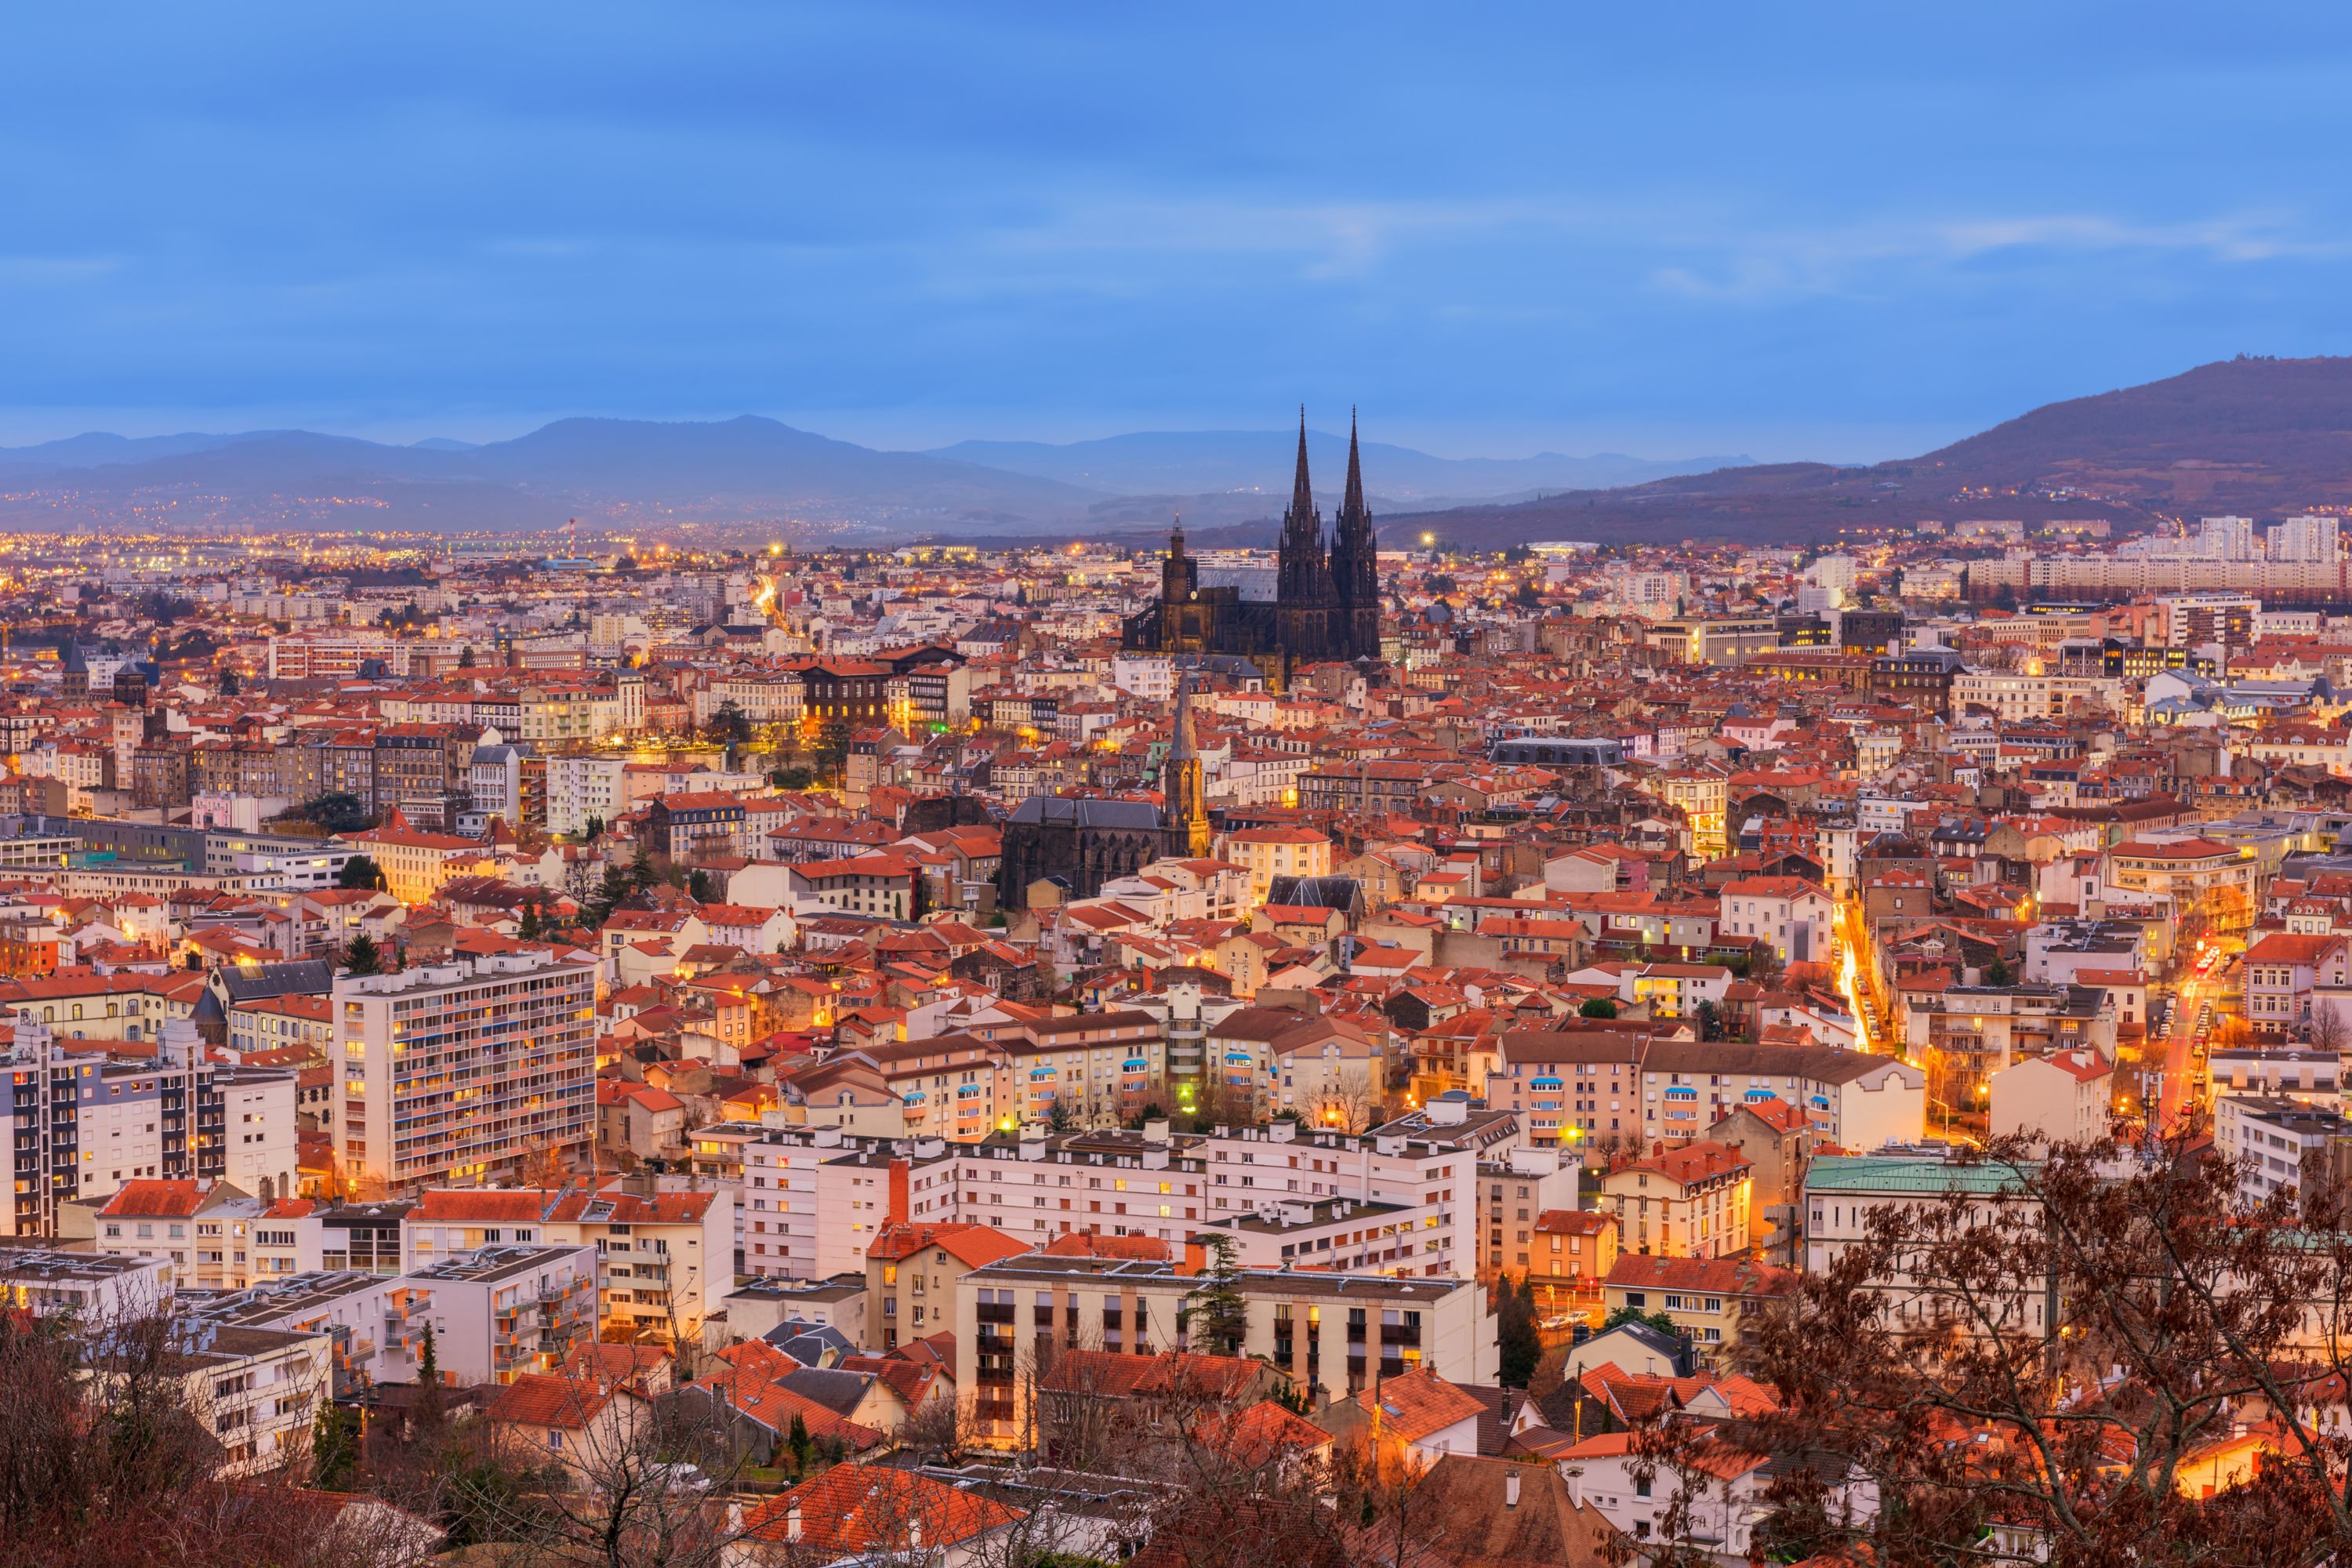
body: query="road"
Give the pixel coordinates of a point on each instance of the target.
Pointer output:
(1850, 933)
(2177, 1092)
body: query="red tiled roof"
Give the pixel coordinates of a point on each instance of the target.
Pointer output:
(856, 1509)
(1417, 1404)
(1720, 1276)
(541, 1399)
(970, 1245)
(155, 1197)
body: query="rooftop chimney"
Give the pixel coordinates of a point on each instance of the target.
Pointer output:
(792, 1520)
(1574, 1476)
(896, 1213)
(1511, 1487)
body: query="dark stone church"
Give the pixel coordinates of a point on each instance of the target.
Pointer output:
(1325, 603)
(1080, 842)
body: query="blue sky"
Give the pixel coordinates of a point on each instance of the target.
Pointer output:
(1796, 231)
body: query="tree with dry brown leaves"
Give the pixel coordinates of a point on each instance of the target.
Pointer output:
(2107, 1355)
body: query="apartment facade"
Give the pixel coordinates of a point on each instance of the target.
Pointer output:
(1333, 1333)
(1690, 1202)
(84, 1124)
(462, 1072)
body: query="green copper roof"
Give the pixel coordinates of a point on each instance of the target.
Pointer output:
(1903, 1174)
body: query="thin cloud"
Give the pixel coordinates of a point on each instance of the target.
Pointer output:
(1760, 267)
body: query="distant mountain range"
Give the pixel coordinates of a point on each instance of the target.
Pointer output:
(2258, 437)
(606, 472)
(748, 472)
(1204, 462)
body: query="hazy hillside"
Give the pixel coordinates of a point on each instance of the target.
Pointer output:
(749, 472)
(601, 470)
(2263, 438)
(1204, 462)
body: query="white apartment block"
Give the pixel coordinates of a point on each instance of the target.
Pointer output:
(2305, 538)
(1150, 678)
(1334, 1331)
(813, 1197)
(2226, 538)
(668, 1253)
(94, 1288)
(495, 1313)
(257, 1391)
(459, 1072)
(579, 788)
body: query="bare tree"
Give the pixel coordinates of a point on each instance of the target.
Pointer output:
(634, 1484)
(108, 1458)
(1347, 1103)
(2109, 1354)
(2329, 1029)
(1376, 1482)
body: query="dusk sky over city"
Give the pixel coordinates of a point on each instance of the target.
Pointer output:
(1833, 232)
(821, 785)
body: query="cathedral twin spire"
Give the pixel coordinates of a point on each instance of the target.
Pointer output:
(1346, 572)
(1353, 515)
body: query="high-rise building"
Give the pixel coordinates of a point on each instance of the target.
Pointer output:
(2226, 538)
(461, 1072)
(2304, 538)
(87, 1122)
(580, 788)
(1835, 575)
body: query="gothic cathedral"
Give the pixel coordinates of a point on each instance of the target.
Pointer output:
(1325, 604)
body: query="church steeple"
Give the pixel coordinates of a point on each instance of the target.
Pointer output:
(1352, 504)
(1303, 570)
(1355, 562)
(1182, 781)
(1302, 494)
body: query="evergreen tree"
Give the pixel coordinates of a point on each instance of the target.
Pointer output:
(428, 1379)
(1214, 1317)
(334, 1448)
(731, 724)
(833, 746)
(1657, 1320)
(608, 898)
(531, 923)
(1597, 1008)
(697, 886)
(360, 872)
(361, 957)
(1514, 1323)
(803, 1448)
(642, 874)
